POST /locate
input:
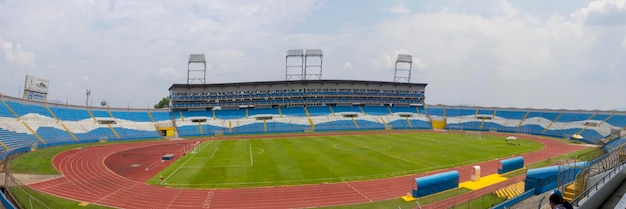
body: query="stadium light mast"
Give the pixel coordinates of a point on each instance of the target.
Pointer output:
(199, 59)
(87, 101)
(403, 73)
(312, 65)
(297, 54)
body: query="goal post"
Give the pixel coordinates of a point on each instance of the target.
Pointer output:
(473, 135)
(195, 147)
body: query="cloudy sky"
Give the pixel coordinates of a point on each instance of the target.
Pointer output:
(517, 53)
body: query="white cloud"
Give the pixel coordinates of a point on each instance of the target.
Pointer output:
(506, 9)
(485, 59)
(602, 12)
(347, 66)
(14, 53)
(398, 9)
(624, 43)
(384, 60)
(169, 74)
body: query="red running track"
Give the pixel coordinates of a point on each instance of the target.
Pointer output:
(100, 175)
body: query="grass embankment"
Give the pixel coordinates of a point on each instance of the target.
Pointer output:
(40, 161)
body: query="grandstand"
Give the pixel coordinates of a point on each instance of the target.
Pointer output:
(48, 123)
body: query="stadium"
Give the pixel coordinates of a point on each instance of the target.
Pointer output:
(305, 142)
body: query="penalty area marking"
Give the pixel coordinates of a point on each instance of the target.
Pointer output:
(260, 152)
(182, 165)
(227, 166)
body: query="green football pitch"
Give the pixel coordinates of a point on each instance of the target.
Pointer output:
(320, 159)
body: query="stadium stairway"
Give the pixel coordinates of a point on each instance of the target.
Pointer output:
(385, 123)
(355, 123)
(312, 124)
(510, 191)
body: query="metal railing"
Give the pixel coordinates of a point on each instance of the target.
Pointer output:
(17, 192)
(585, 194)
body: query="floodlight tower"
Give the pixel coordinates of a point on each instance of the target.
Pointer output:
(196, 58)
(297, 54)
(312, 65)
(397, 74)
(88, 93)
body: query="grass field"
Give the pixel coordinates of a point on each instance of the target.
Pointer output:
(319, 159)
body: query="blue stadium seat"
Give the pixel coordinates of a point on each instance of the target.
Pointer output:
(485, 112)
(571, 117)
(277, 127)
(189, 114)
(399, 124)
(5, 112)
(511, 114)
(346, 109)
(262, 111)
(617, 120)
(600, 117)
(369, 125)
(132, 116)
(53, 135)
(189, 130)
(396, 109)
(229, 114)
(16, 140)
(316, 110)
(435, 111)
(100, 113)
(490, 125)
(376, 110)
(161, 116)
(23, 109)
(451, 112)
(335, 125)
(67, 114)
(293, 111)
(547, 115)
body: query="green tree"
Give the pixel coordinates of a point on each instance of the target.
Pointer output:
(165, 102)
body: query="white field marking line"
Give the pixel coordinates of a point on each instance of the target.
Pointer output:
(182, 165)
(154, 165)
(357, 191)
(250, 151)
(338, 146)
(262, 151)
(175, 198)
(216, 166)
(228, 166)
(340, 179)
(116, 191)
(405, 160)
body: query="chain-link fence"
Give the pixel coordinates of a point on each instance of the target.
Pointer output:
(18, 193)
(24, 196)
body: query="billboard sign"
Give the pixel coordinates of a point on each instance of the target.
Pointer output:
(31, 95)
(36, 84)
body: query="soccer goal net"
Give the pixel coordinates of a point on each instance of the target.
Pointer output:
(454, 127)
(218, 133)
(195, 147)
(473, 135)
